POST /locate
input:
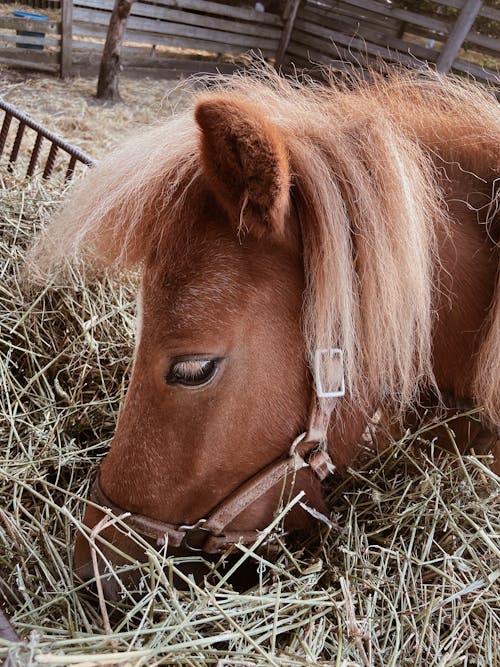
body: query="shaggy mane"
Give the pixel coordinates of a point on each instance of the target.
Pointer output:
(364, 162)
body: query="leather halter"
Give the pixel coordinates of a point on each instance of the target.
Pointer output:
(209, 534)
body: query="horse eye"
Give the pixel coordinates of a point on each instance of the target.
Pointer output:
(192, 372)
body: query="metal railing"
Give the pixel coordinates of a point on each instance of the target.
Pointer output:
(57, 143)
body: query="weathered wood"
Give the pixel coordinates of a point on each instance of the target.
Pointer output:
(28, 64)
(291, 14)
(146, 39)
(307, 38)
(66, 38)
(171, 68)
(28, 56)
(459, 32)
(215, 8)
(107, 85)
(30, 25)
(150, 26)
(361, 29)
(485, 11)
(160, 20)
(29, 39)
(402, 14)
(478, 72)
(321, 12)
(382, 33)
(435, 25)
(352, 26)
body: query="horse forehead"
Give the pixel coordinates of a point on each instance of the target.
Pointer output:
(194, 288)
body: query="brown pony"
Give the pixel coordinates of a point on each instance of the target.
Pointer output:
(274, 224)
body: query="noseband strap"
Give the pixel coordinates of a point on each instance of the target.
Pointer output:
(210, 534)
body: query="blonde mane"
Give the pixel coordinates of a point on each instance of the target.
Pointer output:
(365, 174)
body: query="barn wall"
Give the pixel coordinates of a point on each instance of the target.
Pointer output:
(176, 37)
(176, 34)
(365, 30)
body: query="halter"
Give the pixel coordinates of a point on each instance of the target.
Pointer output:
(308, 450)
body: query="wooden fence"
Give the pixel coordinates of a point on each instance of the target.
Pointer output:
(322, 31)
(165, 32)
(40, 45)
(171, 37)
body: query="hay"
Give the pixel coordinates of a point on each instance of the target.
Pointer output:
(411, 578)
(70, 109)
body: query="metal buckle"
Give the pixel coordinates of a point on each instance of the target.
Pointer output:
(332, 352)
(195, 533)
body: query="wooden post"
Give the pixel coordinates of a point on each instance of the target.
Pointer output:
(458, 34)
(66, 38)
(107, 86)
(290, 15)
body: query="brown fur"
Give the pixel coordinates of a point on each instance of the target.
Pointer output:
(364, 165)
(387, 247)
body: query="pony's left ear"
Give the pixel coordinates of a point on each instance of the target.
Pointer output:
(245, 162)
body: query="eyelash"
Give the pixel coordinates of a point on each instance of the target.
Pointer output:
(192, 372)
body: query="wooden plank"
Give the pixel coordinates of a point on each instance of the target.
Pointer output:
(291, 13)
(477, 71)
(219, 9)
(310, 58)
(316, 14)
(435, 25)
(28, 39)
(485, 11)
(401, 14)
(315, 50)
(30, 25)
(178, 30)
(183, 18)
(457, 35)
(175, 69)
(360, 45)
(66, 38)
(141, 9)
(382, 38)
(148, 40)
(381, 34)
(28, 56)
(352, 25)
(23, 64)
(483, 41)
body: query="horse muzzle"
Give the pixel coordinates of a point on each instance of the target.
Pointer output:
(115, 541)
(253, 503)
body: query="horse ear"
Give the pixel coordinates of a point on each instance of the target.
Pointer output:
(245, 162)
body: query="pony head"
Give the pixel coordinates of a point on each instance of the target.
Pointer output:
(269, 222)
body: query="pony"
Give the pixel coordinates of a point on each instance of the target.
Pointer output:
(307, 253)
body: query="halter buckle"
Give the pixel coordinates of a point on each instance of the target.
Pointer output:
(332, 352)
(194, 536)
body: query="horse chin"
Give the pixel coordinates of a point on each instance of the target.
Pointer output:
(117, 558)
(187, 572)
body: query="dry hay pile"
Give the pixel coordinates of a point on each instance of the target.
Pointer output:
(411, 577)
(70, 109)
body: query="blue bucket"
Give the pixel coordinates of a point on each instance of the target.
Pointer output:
(25, 33)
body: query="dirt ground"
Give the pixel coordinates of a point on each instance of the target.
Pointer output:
(70, 109)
